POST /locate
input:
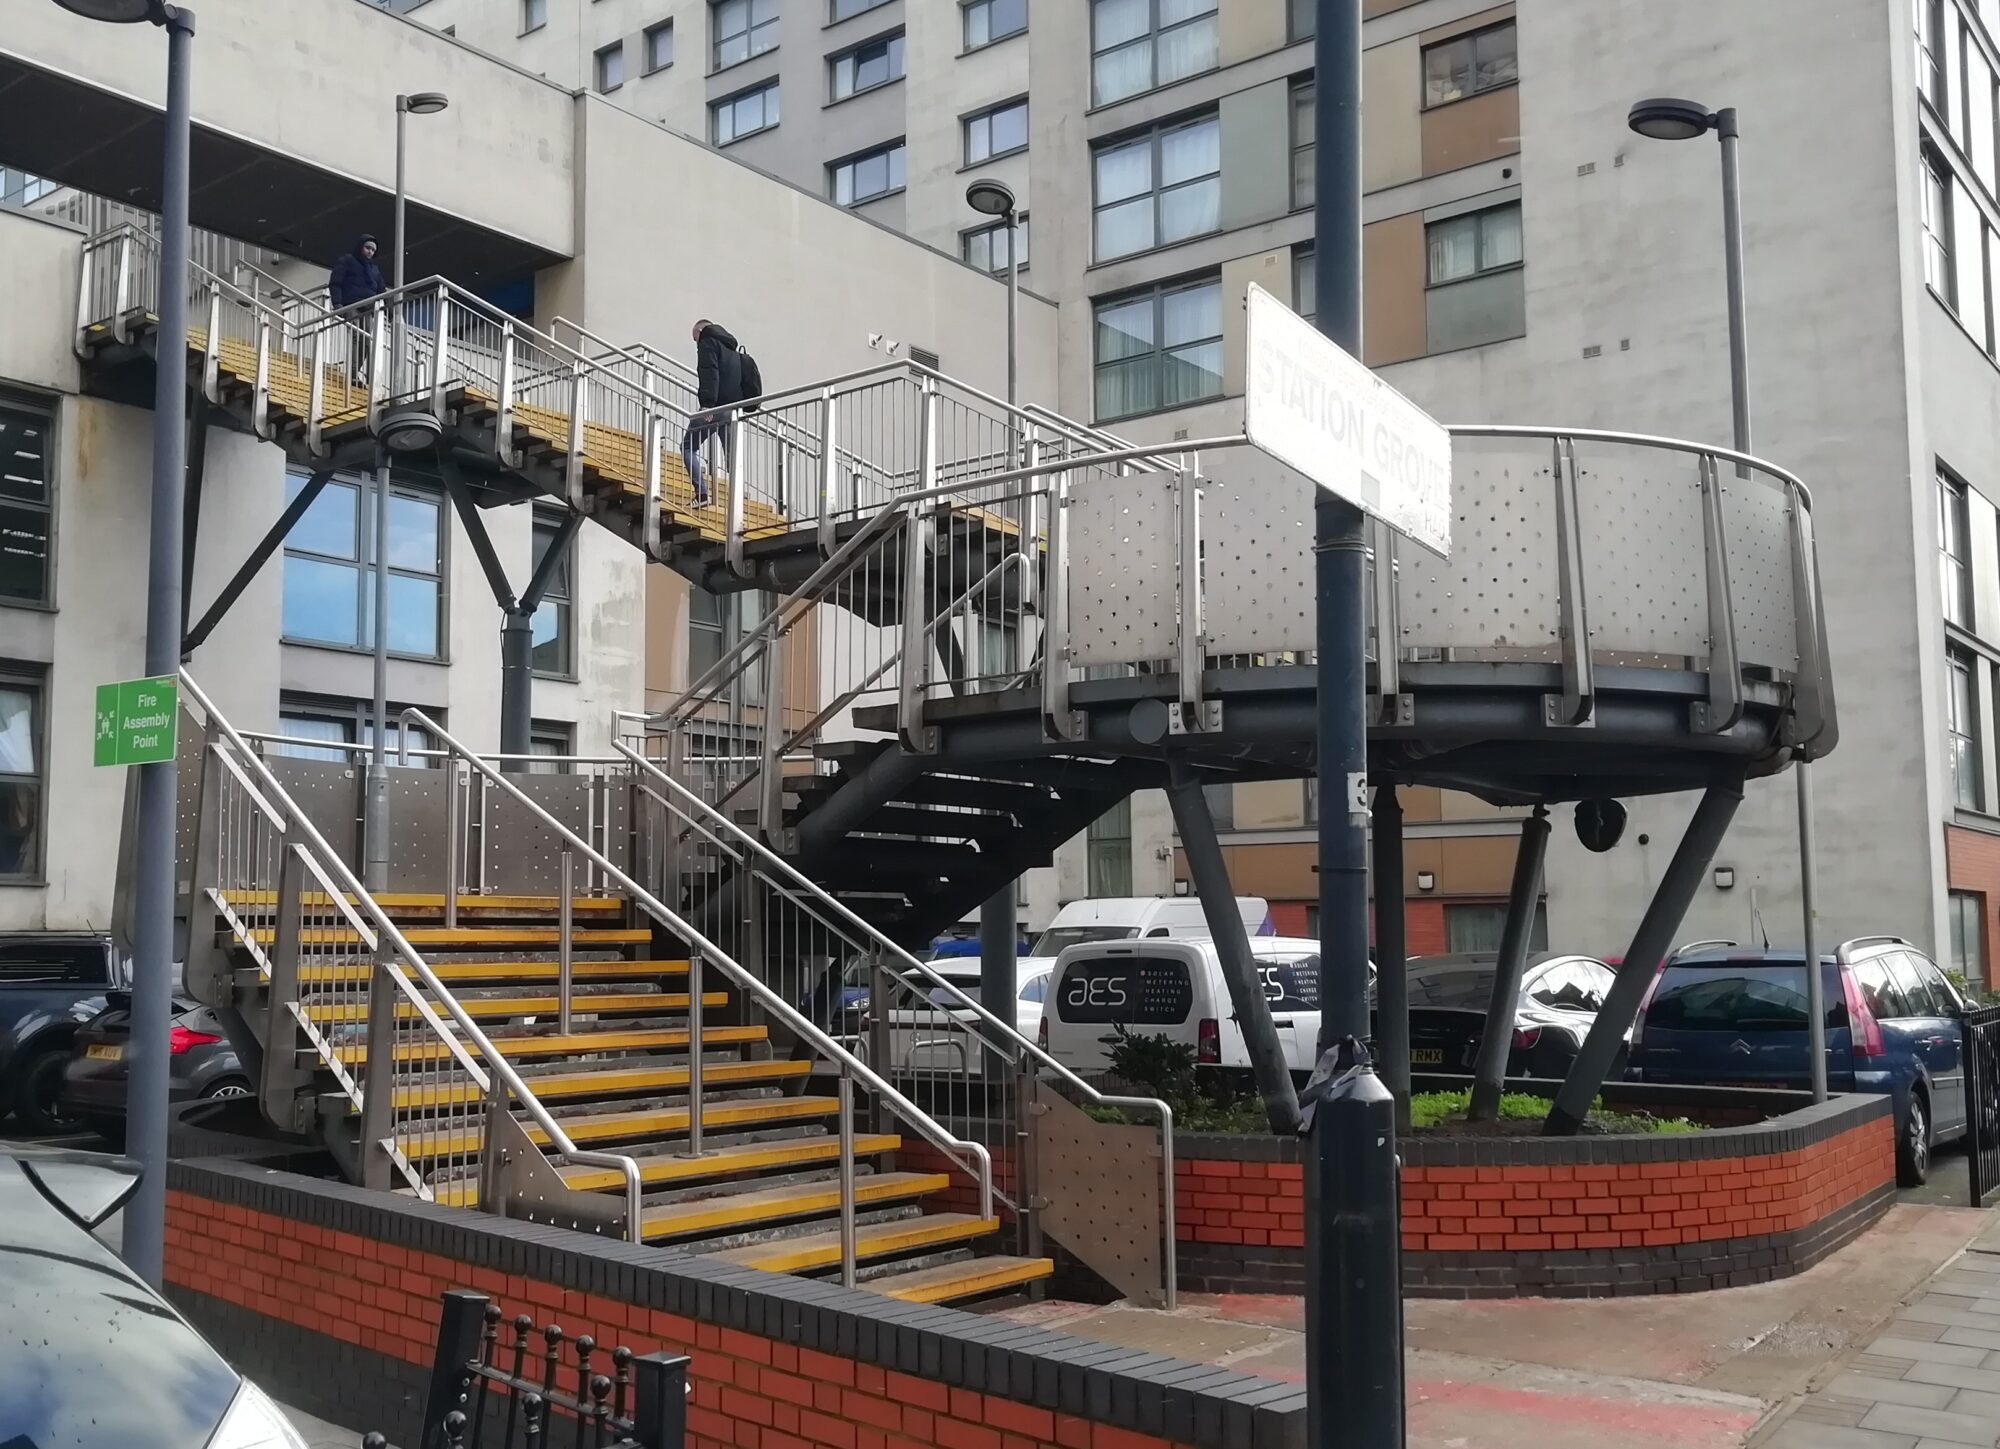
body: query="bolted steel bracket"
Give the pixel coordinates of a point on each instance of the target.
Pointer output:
(1208, 719)
(1700, 715)
(1396, 710)
(1553, 710)
(1038, 1202)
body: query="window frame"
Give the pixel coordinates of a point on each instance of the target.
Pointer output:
(1155, 137)
(1970, 964)
(1303, 90)
(741, 601)
(363, 566)
(1955, 564)
(600, 61)
(993, 230)
(46, 411)
(1480, 269)
(1097, 870)
(1151, 39)
(33, 681)
(1304, 256)
(896, 53)
(966, 7)
(1301, 21)
(557, 732)
(834, 17)
(717, 106)
(986, 114)
(751, 27)
(353, 715)
(886, 150)
(1936, 222)
(529, 8)
(1967, 760)
(651, 35)
(1158, 292)
(1469, 38)
(549, 520)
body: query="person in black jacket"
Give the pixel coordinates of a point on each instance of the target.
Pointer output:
(355, 278)
(719, 375)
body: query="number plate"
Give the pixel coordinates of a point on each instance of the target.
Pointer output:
(1427, 1057)
(105, 1053)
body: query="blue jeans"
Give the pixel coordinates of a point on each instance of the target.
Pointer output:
(701, 427)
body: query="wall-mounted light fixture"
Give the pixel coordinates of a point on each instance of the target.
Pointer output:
(1426, 881)
(1725, 877)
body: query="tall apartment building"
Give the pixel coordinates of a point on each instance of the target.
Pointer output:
(1528, 259)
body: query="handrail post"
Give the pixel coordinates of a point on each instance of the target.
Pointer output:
(1031, 526)
(86, 283)
(440, 354)
(771, 784)
(1724, 706)
(879, 989)
(378, 348)
(1578, 700)
(316, 397)
(1188, 631)
(280, 1080)
(573, 464)
(503, 415)
(847, 1231)
(733, 543)
(565, 938)
(829, 469)
(694, 1053)
(1058, 723)
(454, 842)
(121, 301)
(260, 406)
(654, 441)
(914, 657)
(211, 349)
(1388, 625)
(378, 1091)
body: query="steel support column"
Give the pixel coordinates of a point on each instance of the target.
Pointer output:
(1392, 971)
(1496, 1039)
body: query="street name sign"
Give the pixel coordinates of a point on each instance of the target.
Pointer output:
(136, 722)
(1315, 408)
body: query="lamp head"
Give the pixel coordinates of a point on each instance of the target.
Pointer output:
(410, 430)
(424, 103)
(990, 198)
(1666, 119)
(118, 12)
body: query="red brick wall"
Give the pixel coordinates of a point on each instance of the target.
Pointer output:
(1972, 863)
(1423, 923)
(1556, 1208)
(750, 1392)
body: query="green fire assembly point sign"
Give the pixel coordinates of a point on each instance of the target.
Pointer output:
(136, 722)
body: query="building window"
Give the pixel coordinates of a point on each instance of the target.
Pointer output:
(659, 46)
(1474, 244)
(1141, 45)
(1305, 284)
(1158, 189)
(611, 67)
(989, 20)
(534, 15)
(26, 433)
(1221, 805)
(743, 28)
(1938, 272)
(21, 797)
(1954, 550)
(1303, 19)
(998, 132)
(1962, 718)
(552, 742)
(867, 67)
(329, 562)
(868, 176)
(553, 639)
(1967, 911)
(1108, 849)
(744, 114)
(716, 622)
(1465, 65)
(1929, 18)
(1159, 349)
(839, 10)
(1305, 152)
(343, 722)
(986, 246)
(1478, 928)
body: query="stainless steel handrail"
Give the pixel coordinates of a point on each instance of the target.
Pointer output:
(500, 1067)
(266, 737)
(795, 1022)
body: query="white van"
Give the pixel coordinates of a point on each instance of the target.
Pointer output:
(1174, 988)
(1132, 918)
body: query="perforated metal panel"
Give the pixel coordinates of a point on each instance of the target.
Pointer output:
(1757, 519)
(1257, 565)
(1498, 589)
(329, 794)
(1644, 569)
(1102, 1184)
(417, 829)
(1122, 581)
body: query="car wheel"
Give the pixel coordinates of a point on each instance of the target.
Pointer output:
(1913, 1146)
(226, 1089)
(38, 1093)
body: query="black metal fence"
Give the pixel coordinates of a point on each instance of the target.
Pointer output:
(1980, 1038)
(498, 1385)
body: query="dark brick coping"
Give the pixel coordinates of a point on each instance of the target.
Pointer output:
(1792, 1132)
(1147, 1393)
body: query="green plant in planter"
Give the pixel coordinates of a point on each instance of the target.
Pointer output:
(1157, 1065)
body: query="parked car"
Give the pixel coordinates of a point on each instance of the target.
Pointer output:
(1560, 997)
(50, 983)
(1719, 1014)
(1175, 988)
(930, 1038)
(95, 1358)
(201, 1064)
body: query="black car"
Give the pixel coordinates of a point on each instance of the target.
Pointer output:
(50, 984)
(201, 1064)
(95, 1359)
(1560, 998)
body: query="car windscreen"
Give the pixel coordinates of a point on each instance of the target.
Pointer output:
(1056, 938)
(942, 996)
(1291, 983)
(1132, 990)
(1461, 988)
(1737, 998)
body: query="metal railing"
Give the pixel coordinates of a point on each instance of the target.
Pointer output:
(429, 1088)
(706, 954)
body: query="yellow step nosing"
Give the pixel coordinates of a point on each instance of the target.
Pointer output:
(609, 1080)
(873, 1240)
(645, 1039)
(471, 972)
(975, 1277)
(658, 1121)
(422, 901)
(530, 1005)
(805, 1200)
(731, 1161)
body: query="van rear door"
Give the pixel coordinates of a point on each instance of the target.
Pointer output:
(1143, 989)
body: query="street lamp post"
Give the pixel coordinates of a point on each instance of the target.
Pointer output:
(154, 878)
(1667, 118)
(398, 436)
(998, 928)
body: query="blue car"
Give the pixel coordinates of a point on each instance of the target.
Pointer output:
(1718, 1014)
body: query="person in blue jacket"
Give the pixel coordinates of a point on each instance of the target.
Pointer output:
(355, 278)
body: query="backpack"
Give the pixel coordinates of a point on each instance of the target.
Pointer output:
(753, 380)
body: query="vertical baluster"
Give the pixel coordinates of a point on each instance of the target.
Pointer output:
(523, 1326)
(534, 1409)
(552, 1336)
(455, 1427)
(621, 1363)
(489, 1344)
(694, 1018)
(585, 1347)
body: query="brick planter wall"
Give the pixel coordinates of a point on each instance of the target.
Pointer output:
(328, 1296)
(1552, 1217)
